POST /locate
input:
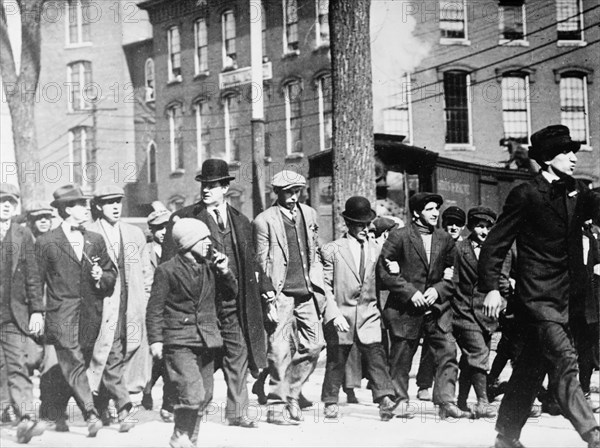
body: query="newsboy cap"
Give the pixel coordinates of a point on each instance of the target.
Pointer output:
(288, 179)
(481, 213)
(418, 201)
(382, 224)
(9, 190)
(39, 209)
(455, 214)
(158, 217)
(109, 192)
(547, 143)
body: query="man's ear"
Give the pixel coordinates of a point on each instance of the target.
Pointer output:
(415, 215)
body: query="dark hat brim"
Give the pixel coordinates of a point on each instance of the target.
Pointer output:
(57, 202)
(365, 220)
(9, 195)
(537, 153)
(200, 178)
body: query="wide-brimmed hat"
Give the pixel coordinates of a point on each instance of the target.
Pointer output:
(68, 193)
(358, 209)
(288, 179)
(109, 192)
(454, 214)
(9, 190)
(547, 143)
(418, 201)
(481, 213)
(214, 170)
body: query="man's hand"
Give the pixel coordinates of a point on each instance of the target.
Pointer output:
(418, 299)
(96, 272)
(221, 262)
(392, 267)
(492, 303)
(36, 324)
(341, 324)
(430, 295)
(449, 273)
(272, 312)
(156, 349)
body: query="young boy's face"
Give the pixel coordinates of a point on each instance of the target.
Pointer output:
(454, 229)
(482, 229)
(201, 249)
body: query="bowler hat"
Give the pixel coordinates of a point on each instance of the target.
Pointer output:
(214, 170)
(109, 192)
(68, 193)
(480, 212)
(547, 143)
(418, 201)
(454, 214)
(287, 179)
(358, 209)
(10, 190)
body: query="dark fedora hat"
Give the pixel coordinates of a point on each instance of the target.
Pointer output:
(418, 201)
(68, 193)
(547, 143)
(358, 209)
(214, 170)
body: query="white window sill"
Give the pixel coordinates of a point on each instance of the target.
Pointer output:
(571, 43)
(324, 46)
(586, 148)
(229, 68)
(150, 101)
(449, 41)
(290, 54)
(78, 45)
(294, 156)
(234, 164)
(176, 80)
(204, 74)
(459, 147)
(513, 43)
(177, 172)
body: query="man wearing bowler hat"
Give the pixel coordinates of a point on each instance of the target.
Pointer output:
(291, 283)
(352, 316)
(418, 304)
(241, 315)
(78, 273)
(545, 217)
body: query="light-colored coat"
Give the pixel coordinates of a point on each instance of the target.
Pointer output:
(138, 275)
(347, 295)
(272, 251)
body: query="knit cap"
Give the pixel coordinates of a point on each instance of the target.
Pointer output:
(188, 231)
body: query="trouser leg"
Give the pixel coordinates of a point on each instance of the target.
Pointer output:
(402, 352)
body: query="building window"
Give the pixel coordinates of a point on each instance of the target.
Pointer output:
(456, 98)
(149, 77)
(78, 22)
(573, 105)
(201, 111)
(515, 107)
(263, 27)
(79, 77)
(79, 153)
(228, 28)
(397, 117)
(325, 112)
(175, 116)
(453, 19)
(231, 118)
(512, 19)
(322, 25)
(290, 30)
(174, 60)
(201, 54)
(293, 117)
(152, 162)
(569, 20)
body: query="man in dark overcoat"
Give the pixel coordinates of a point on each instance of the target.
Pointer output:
(242, 328)
(545, 217)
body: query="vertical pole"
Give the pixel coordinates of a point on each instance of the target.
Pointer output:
(94, 151)
(257, 99)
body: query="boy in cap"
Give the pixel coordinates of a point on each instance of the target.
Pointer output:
(453, 222)
(21, 314)
(121, 361)
(39, 219)
(291, 283)
(418, 303)
(183, 323)
(78, 274)
(472, 328)
(352, 316)
(545, 217)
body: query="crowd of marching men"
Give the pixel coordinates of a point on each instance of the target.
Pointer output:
(106, 310)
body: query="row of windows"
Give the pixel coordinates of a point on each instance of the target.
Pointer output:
(511, 20)
(516, 113)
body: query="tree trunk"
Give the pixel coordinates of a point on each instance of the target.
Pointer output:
(20, 90)
(353, 143)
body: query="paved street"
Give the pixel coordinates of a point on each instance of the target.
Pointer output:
(358, 426)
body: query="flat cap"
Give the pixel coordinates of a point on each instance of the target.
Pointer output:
(39, 209)
(418, 201)
(455, 214)
(158, 217)
(10, 190)
(480, 212)
(109, 192)
(287, 179)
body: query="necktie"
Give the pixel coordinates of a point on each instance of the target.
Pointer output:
(220, 222)
(293, 215)
(78, 229)
(361, 268)
(4, 229)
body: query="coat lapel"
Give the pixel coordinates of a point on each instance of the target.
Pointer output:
(435, 248)
(346, 255)
(280, 231)
(417, 242)
(17, 238)
(556, 203)
(65, 244)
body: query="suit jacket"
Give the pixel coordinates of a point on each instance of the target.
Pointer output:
(272, 254)
(74, 299)
(249, 309)
(592, 291)
(138, 281)
(350, 296)
(406, 246)
(548, 231)
(182, 309)
(26, 284)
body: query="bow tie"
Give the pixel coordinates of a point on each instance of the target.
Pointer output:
(78, 229)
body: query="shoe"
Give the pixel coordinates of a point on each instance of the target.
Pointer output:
(450, 410)
(243, 423)
(94, 424)
(536, 411)
(505, 442)
(386, 408)
(404, 409)
(304, 402)
(496, 389)
(166, 416)
(331, 411)
(483, 410)
(351, 396)
(180, 439)
(463, 406)
(126, 421)
(278, 419)
(27, 428)
(593, 438)
(596, 410)
(106, 417)
(258, 389)
(147, 401)
(10, 416)
(294, 409)
(424, 394)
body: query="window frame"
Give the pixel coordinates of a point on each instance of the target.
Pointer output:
(402, 106)
(83, 104)
(152, 171)
(286, 27)
(586, 116)
(468, 146)
(200, 64)
(232, 154)
(522, 41)
(150, 90)
(85, 153)
(565, 42)
(79, 24)
(202, 142)
(527, 98)
(175, 153)
(323, 111)
(320, 43)
(225, 39)
(172, 77)
(464, 40)
(289, 143)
